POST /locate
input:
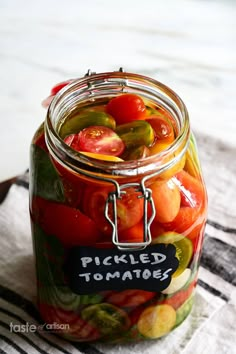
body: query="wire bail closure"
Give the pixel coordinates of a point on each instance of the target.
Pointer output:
(147, 199)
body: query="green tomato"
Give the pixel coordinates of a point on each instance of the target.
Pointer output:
(64, 298)
(184, 310)
(184, 249)
(86, 119)
(136, 133)
(109, 319)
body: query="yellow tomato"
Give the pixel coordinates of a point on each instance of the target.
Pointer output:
(102, 156)
(156, 321)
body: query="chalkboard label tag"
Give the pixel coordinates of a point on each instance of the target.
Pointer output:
(90, 269)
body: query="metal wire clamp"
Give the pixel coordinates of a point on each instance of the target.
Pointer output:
(146, 195)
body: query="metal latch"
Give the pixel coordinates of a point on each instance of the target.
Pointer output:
(146, 195)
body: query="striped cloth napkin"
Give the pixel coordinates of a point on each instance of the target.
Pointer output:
(211, 326)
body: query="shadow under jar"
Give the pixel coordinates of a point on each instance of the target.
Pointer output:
(117, 239)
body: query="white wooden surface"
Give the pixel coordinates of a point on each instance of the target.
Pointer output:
(189, 45)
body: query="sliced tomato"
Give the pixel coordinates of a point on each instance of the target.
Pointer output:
(72, 140)
(158, 147)
(102, 156)
(77, 327)
(110, 320)
(129, 298)
(164, 131)
(94, 207)
(129, 209)
(126, 108)
(96, 139)
(69, 224)
(181, 296)
(184, 249)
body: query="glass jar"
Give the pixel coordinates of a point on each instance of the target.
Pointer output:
(117, 243)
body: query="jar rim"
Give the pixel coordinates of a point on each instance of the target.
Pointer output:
(90, 84)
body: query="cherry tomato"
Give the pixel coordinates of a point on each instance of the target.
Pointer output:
(181, 296)
(163, 129)
(126, 108)
(59, 86)
(191, 213)
(96, 139)
(191, 190)
(133, 234)
(129, 209)
(110, 319)
(156, 321)
(46, 102)
(156, 229)
(78, 327)
(185, 221)
(136, 153)
(129, 298)
(69, 224)
(166, 197)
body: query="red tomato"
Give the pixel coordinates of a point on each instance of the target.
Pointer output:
(59, 86)
(129, 298)
(197, 241)
(181, 296)
(68, 224)
(129, 209)
(166, 198)
(191, 190)
(126, 108)
(96, 139)
(133, 234)
(46, 102)
(185, 221)
(156, 229)
(67, 174)
(191, 214)
(163, 129)
(73, 192)
(72, 140)
(77, 326)
(134, 316)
